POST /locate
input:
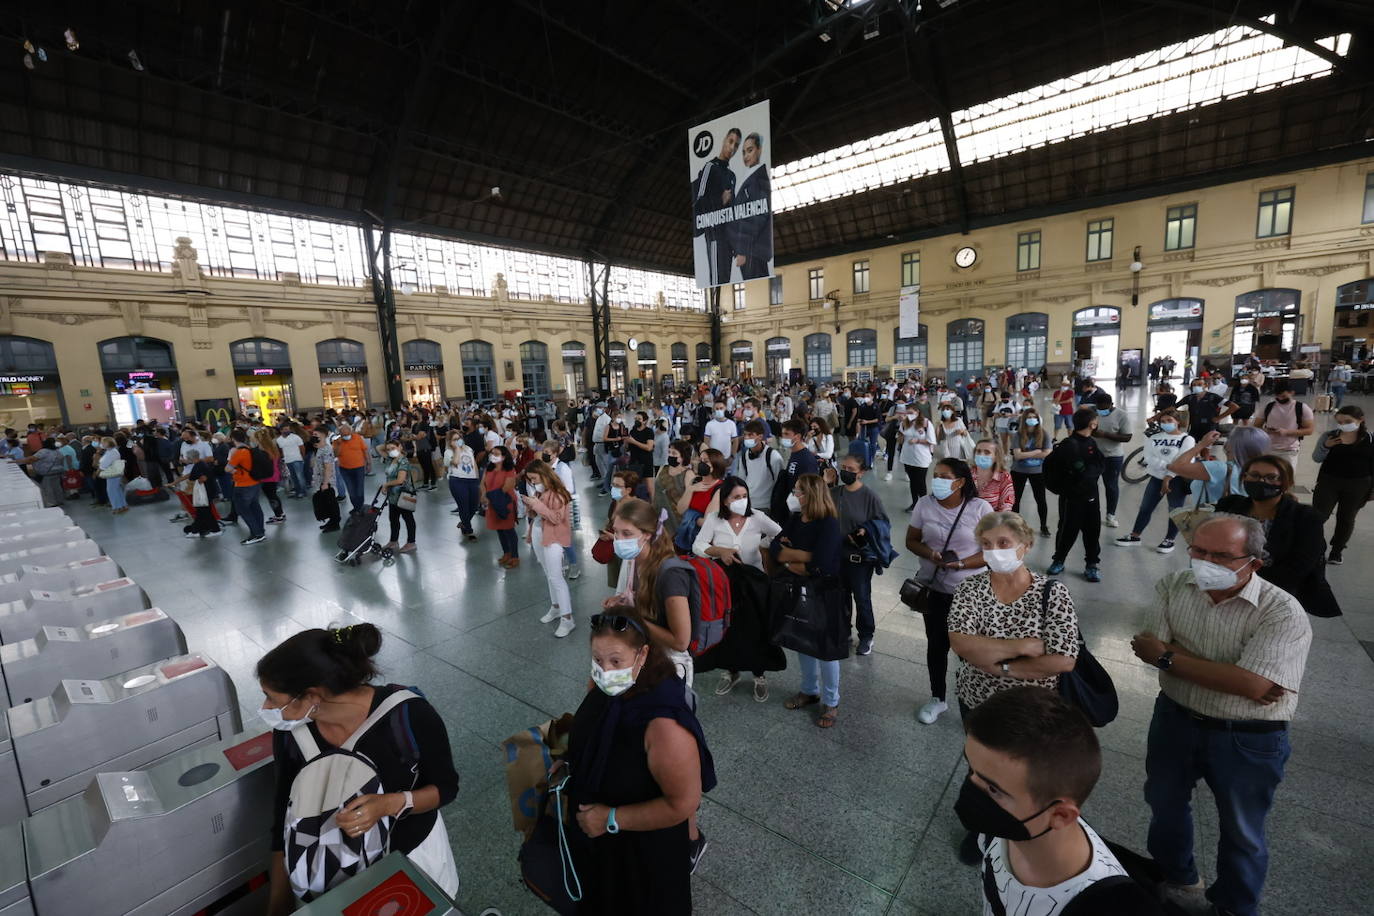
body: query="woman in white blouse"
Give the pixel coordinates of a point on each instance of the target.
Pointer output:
(821, 442)
(917, 435)
(736, 534)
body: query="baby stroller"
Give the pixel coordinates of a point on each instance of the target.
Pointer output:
(359, 535)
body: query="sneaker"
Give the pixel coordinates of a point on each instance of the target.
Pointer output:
(1334, 557)
(697, 851)
(760, 689)
(727, 683)
(1092, 574)
(454, 512)
(190, 534)
(865, 645)
(471, 536)
(179, 517)
(1188, 898)
(330, 527)
(931, 711)
(214, 534)
(1130, 540)
(253, 540)
(1111, 522)
(552, 614)
(575, 571)
(1055, 568)
(276, 520)
(1045, 531)
(1165, 546)
(888, 477)
(565, 626)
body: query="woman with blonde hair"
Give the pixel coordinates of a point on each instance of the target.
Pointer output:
(991, 476)
(550, 506)
(264, 440)
(809, 546)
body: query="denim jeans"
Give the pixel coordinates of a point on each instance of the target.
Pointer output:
(465, 494)
(814, 673)
(858, 582)
(603, 465)
(510, 541)
(1243, 769)
(114, 488)
(249, 509)
(297, 471)
(1154, 492)
(870, 440)
(1111, 481)
(353, 484)
(1337, 393)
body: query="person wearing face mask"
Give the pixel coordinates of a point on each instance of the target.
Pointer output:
(662, 438)
(400, 478)
(800, 461)
(1064, 408)
(462, 472)
(1287, 421)
(550, 505)
(1033, 762)
(941, 534)
(671, 481)
(1295, 557)
(323, 473)
(1231, 649)
(639, 446)
(1245, 396)
(1031, 445)
(498, 503)
(721, 430)
(917, 435)
(351, 451)
(757, 464)
(865, 426)
(638, 764)
(1345, 480)
(1073, 470)
(991, 477)
(1162, 447)
(601, 468)
(820, 442)
(700, 496)
(318, 692)
(867, 542)
(735, 536)
(1205, 410)
(952, 434)
(1112, 433)
(1215, 476)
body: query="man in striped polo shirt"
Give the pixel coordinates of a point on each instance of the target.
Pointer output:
(1231, 649)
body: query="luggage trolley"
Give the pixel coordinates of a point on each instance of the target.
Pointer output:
(359, 535)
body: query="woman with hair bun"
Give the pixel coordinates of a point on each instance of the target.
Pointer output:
(322, 680)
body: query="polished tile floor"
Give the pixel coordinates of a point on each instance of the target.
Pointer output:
(855, 820)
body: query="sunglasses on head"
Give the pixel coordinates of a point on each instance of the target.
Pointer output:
(617, 623)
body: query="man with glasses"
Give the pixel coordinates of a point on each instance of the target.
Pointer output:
(1231, 649)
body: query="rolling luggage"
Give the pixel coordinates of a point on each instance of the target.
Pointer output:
(1325, 403)
(359, 535)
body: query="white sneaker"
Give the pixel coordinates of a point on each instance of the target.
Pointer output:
(727, 683)
(565, 626)
(552, 614)
(931, 711)
(887, 476)
(1111, 522)
(575, 571)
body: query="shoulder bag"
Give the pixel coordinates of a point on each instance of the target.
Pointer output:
(1088, 686)
(915, 594)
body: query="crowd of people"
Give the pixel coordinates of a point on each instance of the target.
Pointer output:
(764, 487)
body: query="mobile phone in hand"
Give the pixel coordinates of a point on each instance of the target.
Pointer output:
(949, 556)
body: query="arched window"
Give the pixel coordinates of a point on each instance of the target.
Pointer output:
(818, 365)
(648, 354)
(1028, 337)
(1267, 324)
(862, 347)
(679, 351)
(259, 353)
(26, 354)
(479, 370)
(965, 347)
(123, 353)
(422, 353)
(1096, 319)
(534, 369)
(910, 351)
(703, 360)
(574, 367)
(341, 352)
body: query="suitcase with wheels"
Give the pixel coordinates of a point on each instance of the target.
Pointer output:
(1325, 403)
(359, 535)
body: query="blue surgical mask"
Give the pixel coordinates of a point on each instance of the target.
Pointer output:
(1169, 427)
(941, 487)
(1103, 411)
(617, 492)
(627, 548)
(983, 461)
(750, 443)
(1032, 421)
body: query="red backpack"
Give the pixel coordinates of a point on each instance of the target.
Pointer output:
(711, 610)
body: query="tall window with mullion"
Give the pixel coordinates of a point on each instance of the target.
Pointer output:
(817, 350)
(1180, 227)
(909, 351)
(1100, 240)
(911, 268)
(815, 281)
(738, 291)
(861, 276)
(1275, 213)
(775, 290)
(1368, 215)
(965, 346)
(1028, 250)
(862, 347)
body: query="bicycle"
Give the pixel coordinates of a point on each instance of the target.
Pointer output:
(1133, 469)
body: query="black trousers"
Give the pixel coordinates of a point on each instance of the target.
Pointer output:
(936, 620)
(1037, 484)
(397, 515)
(1079, 515)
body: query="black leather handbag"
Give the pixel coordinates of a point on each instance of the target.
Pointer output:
(914, 593)
(1088, 686)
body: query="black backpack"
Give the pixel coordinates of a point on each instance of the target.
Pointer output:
(1297, 413)
(1059, 471)
(263, 466)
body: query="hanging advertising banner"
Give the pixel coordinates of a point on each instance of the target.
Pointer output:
(732, 197)
(909, 311)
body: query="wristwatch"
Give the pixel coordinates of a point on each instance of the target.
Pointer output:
(1006, 667)
(409, 804)
(611, 825)
(1165, 661)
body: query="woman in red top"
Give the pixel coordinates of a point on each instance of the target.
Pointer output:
(990, 474)
(710, 471)
(501, 476)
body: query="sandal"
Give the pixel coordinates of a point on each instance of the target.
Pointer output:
(801, 700)
(828, 716)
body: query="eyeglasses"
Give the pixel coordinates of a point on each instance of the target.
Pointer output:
(1262, 478)
(1198, 553)
(617, 623)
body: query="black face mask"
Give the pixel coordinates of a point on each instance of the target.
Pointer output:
(674, 461)
(848, 477)
(1260, 491)
(704, 468)
(548, 459)
(980, 814)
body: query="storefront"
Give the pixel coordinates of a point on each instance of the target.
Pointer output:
(1354, 324)
(777, 355)
(140, 380)
(343, 373)
(262, 375)
(479, 370)
(1096, 340)
(424, 373)
(575, 368)
(741, 359)
(1175, 333)
(1028, 338)
(30, 391)
(1268, 326)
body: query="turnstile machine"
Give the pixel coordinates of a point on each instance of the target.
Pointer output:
(392, 887)
(79, 549)
(14, 884)
(39, 537)
(133, 720)
(16, 585)
(32, 669)
(31, 519)
(69, 608)
(191, 834)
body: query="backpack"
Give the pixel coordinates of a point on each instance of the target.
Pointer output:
(1297, 413)
(1059, 471)
(263, 466)
(711, 612)
(320, 855)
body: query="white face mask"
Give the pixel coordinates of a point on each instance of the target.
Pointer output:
(394, 454)
(1212, 577)
(793, 503)
(739, 506)
(539, 488)
(1347, 427)
(614, 682)
(1003, 559)
(273, 718)
(750, 443)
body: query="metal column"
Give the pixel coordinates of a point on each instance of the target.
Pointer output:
(384, 298)
(598, 291)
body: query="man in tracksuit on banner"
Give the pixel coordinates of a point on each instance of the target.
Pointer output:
(714, 190)
(753, 237)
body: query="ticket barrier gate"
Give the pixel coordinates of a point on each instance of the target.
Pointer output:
(186, 836)
(76, 549)
(133, 720)
(69, 608)
(16, 585)
(392, 887)
(33, 669)
(12, 523)
(39, 537)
